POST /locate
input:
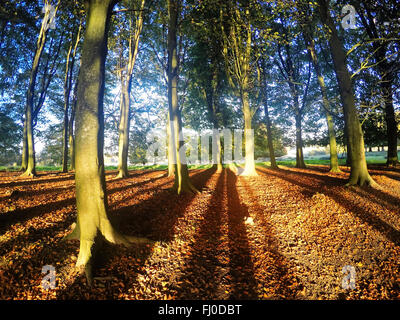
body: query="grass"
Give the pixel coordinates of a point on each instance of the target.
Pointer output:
(372, 158)
(134, 167)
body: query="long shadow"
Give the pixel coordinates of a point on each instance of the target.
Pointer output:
(241, 265)
(134, 195)
(32, 181)
(58, 177)
(37, 234)
(155, 217)
(21, 215)
(201, 268)
(280, 273)
(381, 196)
(384, 228)
(133, 185)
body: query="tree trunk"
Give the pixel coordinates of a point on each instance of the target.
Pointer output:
(359, 173)
(182, 180)
(24, 162)
(170, 150)
(269, 137)
(28, 143)
(65, 139)
(71, 137)
(249, 164)
(299, 143)
(334, 162)
(124, 133)
(391, 125)
(126, 80)
(211, 92)
(93, 223)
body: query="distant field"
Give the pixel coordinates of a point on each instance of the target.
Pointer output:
(372, 158)
(58, 168)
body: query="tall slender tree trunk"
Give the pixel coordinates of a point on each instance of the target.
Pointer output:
(269, 136)
(31, 165)
(359, 174)
(93, 223)
(182, 180)
(299, 142)
(71, 127)
(218, 152)
(391, 124)
(124, 124)
(28, 144)
(24, 162)
(65, 140)
(249, 164)
(126, 81)
(211, 95)
(69, 70)
(170, 150)
(334, 162)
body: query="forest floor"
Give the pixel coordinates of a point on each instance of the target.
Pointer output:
(286, 234)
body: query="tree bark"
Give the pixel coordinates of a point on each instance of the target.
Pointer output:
(299, 143)
(182, 181)
(124, 133)
(391, 124)
(249, 164)
(126, 80)
(334, 162)
(28, 153)
(93, 223)
(269, 137)
(359, 174)
(170, 150)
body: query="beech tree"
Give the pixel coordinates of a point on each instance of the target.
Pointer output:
(182, 180)
(306, 25)
(359, 174)
(238, 51)
(32, 109)
(384, 48)
(93, 223)
(68, 85)
(125, 73)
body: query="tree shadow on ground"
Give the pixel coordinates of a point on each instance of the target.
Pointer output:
(302, 179)
(281, 282)
(204, 272)
(153, 218)
(240, 261)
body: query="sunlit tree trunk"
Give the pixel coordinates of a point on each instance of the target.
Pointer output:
(385, 69)
(270, 137)
(124, 133)
(93, 223)
(71, 136)
(212, 97)
(170, 149)
(299, 142)
(28, 159)
(69, 70)
(359, 173)
(125, 103)
(249, 164)
(67, 90)
(334, 162)
(182, 180)
(24, 163)
(237, 52)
